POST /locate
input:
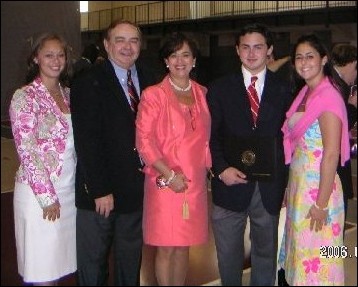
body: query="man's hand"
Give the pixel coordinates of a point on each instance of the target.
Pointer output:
(353, 99)
(104, 205)
(231, 176)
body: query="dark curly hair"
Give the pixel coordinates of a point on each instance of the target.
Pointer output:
(175, 42)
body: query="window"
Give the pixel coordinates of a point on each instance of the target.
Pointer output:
(83, 6)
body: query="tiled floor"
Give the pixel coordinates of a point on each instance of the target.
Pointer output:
(203, 263)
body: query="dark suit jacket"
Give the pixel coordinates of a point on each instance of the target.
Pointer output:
(81, 66)
(231, 116)
(104, 135)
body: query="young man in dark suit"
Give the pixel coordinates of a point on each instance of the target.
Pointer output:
(235, 196)
(109, 181)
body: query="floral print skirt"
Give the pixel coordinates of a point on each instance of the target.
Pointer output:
(309, 257)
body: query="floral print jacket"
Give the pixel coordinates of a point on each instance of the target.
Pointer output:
(40, 131)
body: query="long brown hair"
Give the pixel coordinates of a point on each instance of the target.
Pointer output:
(316, 43)
(33, 69)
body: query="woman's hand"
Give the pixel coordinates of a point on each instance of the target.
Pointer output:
(318, 218)
(179, 183)
(52, 212)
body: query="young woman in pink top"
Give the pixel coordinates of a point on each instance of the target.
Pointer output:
(315, 135)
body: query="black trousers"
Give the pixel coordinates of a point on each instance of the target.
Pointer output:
(345, 175)
(96, 236)
(281, 280)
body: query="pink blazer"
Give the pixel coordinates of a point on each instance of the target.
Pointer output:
(160, 135)
(40, 131)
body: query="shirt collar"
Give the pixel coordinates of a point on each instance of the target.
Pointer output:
(259, 85)
(247, 76)
(121, 73)
(337, 70)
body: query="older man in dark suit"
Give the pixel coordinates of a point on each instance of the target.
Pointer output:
(250, 104)
(109, 181)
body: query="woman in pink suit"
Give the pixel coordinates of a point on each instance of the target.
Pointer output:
(173, 130)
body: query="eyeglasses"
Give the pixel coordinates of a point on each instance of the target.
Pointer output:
(353, 90)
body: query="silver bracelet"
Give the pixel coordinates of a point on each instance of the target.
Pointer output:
(316, 206)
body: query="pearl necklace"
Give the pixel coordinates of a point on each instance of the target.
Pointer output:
(179, 88)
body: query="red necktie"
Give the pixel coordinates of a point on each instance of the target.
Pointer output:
(133, 96)
(254, 99)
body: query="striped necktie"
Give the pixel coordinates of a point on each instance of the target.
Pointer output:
(254, 99)
(133, 96)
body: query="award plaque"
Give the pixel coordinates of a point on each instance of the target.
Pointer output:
(254, 156)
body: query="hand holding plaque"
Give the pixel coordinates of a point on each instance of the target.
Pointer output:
(254, 156)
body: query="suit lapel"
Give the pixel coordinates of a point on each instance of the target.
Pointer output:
(266, 105)
(143, 82)
(241, 98)
(116, 88)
